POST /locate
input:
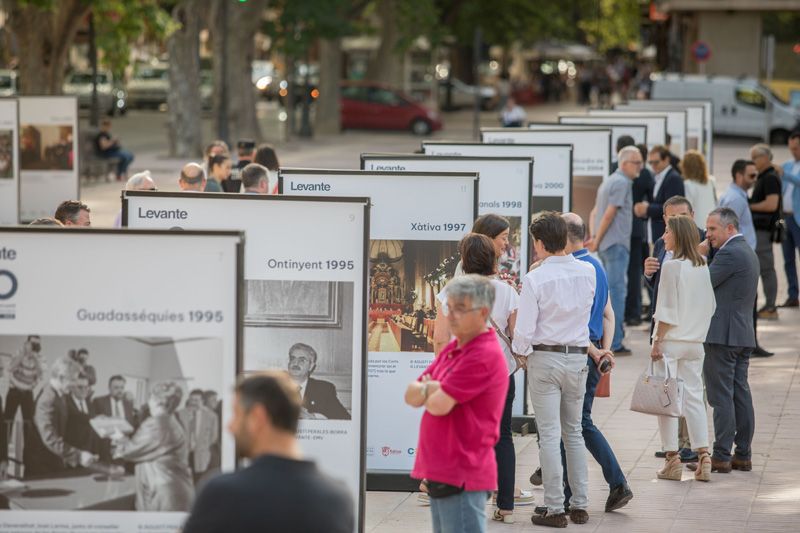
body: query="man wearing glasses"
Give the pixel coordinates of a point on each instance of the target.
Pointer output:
(320, 401)
(744, 176)
(611, 238)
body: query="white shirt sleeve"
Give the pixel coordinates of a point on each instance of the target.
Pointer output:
(667, 307)
(527, 316)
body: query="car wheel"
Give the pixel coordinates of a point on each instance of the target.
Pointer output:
(779, 137)
(420, 127)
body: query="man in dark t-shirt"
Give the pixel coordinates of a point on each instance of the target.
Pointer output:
(279, 491)
(765, 205)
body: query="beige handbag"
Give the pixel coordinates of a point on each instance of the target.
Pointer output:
(657, 395)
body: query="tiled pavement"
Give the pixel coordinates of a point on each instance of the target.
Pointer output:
(766, 499)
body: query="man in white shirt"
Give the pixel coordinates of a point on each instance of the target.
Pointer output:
(553, 327)
(791, 216)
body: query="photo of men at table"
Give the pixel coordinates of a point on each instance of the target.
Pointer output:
(140, 439)
(404, 279)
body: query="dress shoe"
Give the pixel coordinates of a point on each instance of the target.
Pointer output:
(579, 516)
(687, 455)
(542, 509)
(622, 350)
(633, 322)
(758, 351)
(768, 313)
(743, 465)
(550, 520)
(661, 454)
(618, 497)
(536, 477)
(790, 302)
(722, 467)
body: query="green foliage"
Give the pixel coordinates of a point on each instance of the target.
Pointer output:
(120, 23)
(783, 25)
(612, 24)
(297, 24)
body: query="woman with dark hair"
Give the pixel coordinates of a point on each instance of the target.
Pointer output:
(479, 256)
(219, 169)
(495, 227)
(266, 156)
(161, 453)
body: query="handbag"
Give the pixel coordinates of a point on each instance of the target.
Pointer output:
(521, 360)
(656, 395)
(603, 389)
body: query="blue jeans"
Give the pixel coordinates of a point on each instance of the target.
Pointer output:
(615, 260)
(505, 455)
(595, 442)
(125, 157)
(461, 513)
(790, 244)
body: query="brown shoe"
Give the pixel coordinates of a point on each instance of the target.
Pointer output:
(768, 313)
(550, 520)
(578, 516)
(744, 465)
(722, 467)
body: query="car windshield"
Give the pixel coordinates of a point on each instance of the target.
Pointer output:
(152, 74)
(85, 78)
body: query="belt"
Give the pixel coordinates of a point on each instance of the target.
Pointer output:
(558, 348)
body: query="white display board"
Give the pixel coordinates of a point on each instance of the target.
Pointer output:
(505, 189)
(304, 276)
(706, 109)
(154, 311)
(9, 162)
(636, 131)
(656, 125)
(552, 167)
(48, 154)
(676, 124)
(591, 157)
(416, 222)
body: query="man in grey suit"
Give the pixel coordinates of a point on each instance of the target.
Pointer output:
(734, 274)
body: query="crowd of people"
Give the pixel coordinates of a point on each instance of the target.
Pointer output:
(658, 231)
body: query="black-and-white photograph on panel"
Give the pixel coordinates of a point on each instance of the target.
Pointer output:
(115, 394)
(306, 329)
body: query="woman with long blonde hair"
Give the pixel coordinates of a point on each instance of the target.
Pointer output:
(700, 186)
(683, 314)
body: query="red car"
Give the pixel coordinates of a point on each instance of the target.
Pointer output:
(368, 105)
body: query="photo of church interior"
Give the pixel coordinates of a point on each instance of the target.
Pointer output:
(404, 279)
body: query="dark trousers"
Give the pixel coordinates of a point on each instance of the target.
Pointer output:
(18, 398)
(725, 374)
(505, 456)
(633, 300)
(595, 442)
(125, 157)
(790, 245)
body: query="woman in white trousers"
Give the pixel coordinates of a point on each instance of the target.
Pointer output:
(683, 314)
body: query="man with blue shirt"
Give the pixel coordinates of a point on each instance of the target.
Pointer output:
(791, 215)
(601, 332)
(744, 174)
(613, 223)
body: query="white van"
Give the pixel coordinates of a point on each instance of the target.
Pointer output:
(742, 106)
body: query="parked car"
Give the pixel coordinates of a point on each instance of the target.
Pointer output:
(149, 86)
(463, 95)
(111, 98)
(8, 83)
(371, 105)
(742, 106)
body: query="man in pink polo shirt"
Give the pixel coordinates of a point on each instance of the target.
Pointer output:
(463, 392)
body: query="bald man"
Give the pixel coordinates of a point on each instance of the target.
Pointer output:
(193, 178)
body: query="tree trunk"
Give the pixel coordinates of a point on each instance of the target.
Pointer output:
(44, 36)
(387, 65)
(330, 74)
(234, 50)
(183, 100)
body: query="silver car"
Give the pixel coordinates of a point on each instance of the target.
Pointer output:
(111, 99)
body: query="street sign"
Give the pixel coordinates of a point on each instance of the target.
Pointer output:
(701, 51)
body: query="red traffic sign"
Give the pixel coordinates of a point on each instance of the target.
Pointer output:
(701, 51)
